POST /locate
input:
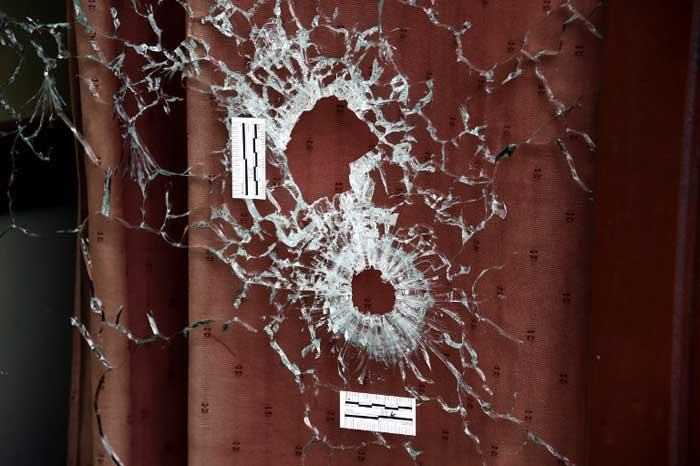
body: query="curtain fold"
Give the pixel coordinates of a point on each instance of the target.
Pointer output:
(127, 414)
(213, 387)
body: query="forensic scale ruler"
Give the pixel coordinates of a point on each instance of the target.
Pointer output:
(378, 413)
(248, 158)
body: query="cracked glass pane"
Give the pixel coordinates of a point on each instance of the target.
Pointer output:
(425, 232)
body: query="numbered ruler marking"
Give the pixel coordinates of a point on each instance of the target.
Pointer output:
(378, 413)
(248, 158)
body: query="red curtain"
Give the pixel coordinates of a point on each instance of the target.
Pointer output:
(220, 394)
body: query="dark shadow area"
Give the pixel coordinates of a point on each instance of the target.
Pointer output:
(37, 272)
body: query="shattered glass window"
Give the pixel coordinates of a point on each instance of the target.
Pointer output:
(425, 231)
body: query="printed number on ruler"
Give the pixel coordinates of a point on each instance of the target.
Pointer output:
(248, 158)
(378, 413)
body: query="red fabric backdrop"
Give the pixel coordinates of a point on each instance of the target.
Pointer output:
(222, 397)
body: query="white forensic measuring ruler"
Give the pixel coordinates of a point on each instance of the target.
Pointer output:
(248, 158)
(378, 413)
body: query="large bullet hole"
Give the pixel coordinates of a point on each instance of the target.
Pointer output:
(323, 143)
(371, 294)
